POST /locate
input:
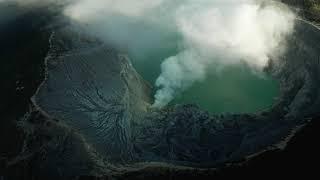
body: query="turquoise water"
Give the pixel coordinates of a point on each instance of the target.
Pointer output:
(233, 89)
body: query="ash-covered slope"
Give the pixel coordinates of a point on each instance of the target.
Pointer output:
(94, 90)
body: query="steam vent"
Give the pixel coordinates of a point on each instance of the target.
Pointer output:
(129, 91)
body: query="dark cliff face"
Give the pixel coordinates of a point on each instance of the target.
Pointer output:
(21, 70)
(90, 115)
(24, 45)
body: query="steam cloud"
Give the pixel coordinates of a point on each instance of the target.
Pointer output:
(212, 33)
(221, 34)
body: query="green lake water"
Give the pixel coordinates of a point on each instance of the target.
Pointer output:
(233, 89)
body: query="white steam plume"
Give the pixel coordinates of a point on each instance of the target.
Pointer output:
(213, 33)
(223, 34)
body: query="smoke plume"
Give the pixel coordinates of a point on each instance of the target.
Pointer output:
(213, 33)
(209, 34)
(221, 34)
